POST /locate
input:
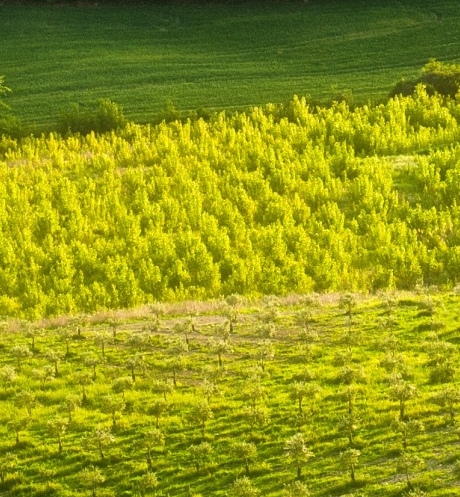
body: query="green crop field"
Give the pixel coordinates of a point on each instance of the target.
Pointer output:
(176, 400)
(215, 56)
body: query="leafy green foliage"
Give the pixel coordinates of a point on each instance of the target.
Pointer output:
(165, 213)
(108, 116)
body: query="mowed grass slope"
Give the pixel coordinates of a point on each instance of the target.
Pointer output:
(215, 56)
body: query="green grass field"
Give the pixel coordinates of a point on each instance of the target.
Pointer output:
(313, 343)
(215, 56)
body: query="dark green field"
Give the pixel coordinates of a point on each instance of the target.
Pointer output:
(215, 56)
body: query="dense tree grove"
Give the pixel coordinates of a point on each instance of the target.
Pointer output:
(279, 199)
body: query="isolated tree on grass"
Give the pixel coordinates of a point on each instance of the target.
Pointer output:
(393, 363)
(33, 333)
(91, 361)
(265, 352)
(301, 390)
(349, 395)
(243, 488)
(120, 385)
(449, 397)
(99, 439)
(200, 414)
(269, 315)
(349, 424)
(163, 387)
(209, 390)
(297, 451)
(112, 405)
(185, 328)
(147, 483)
(304, 320)
(296, 489)
(351, 374)
(83, 378)
(157, 409)
(57, 428)
(92, 477)
(152, 439)
(349, 461)
(158, 309)
(138, 341)
(231, 315)
(222, 332)
(55, 358)
(347, 302)
(26, 399)
(66, 335)
(101, 339)
(402, 391)
(71, 403)
(407, 463)
(258, 416)
(7, 375)
(18, 424)
(8, 463)
(200, 454)
(44, 375)
(220, 347)
(175, 365)
(20, 353)
(254, 392)
(407, 429)
(134, 364)
(114, 324)
(245, 451)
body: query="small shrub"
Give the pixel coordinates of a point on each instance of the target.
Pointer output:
(106, 117)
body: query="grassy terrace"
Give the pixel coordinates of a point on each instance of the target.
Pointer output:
(215, 56)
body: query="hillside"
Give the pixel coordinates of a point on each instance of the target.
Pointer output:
(215, 55)
(187, 400)
(278, 200)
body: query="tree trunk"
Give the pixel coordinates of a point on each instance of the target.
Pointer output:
(133, 374)
(300, 405)
(401, 410)
(247, 467)
(299, 471)
(149, 458)
(220, 360)
(352, 473)
(100, 450)
(60, 444)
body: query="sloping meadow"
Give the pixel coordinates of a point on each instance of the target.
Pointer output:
(338, 394)
(276, 200)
